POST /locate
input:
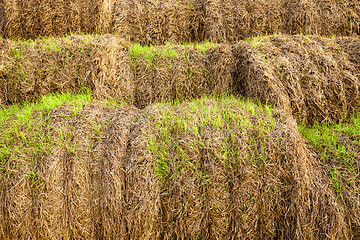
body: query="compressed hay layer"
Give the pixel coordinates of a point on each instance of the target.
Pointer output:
(337, 148)
(210, 169)
(33, 18)
(39, 68)
(31, 69)
(181, 72)
(318, 17)
(311, 77)
(112, 70)
(157, 22)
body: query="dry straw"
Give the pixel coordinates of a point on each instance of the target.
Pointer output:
(311, 77)
(325, 18)
(175, 73)
(221, 169)
(46, 66)
(157, 22)
(31, 19)
(314, 78)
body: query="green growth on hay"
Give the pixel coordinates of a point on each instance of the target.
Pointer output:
(24, 133)
(172, 156)
(338, 147)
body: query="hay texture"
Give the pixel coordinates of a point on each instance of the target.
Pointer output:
(32, 19)
(176, 73)
(31, 69)
(311, 77)
(336, 147)
(158, 22)
(154, 22)
(326, 18)
(46, 66)
(112, 69)
(214, 169)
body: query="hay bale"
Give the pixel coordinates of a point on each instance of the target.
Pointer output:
(32, 19)
(231, 21)
(224, 173)
(335, 147)
(114, 78)
(66, 177)
(153, 22)
(111, 69)
(48, 66)
(326, 18)
(174, 73)
(308, 75)
(224, 168)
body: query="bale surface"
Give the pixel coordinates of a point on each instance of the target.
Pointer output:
(181, 21)
(311, 77)
(30, 19)
(337, 148)
(326, 18)
(46, 66)
(223, 168)
(174, 73)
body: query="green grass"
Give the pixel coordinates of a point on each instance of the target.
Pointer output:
(337, 146)
(169, 51)
(167, 145)
(24, 138)
(24, 112)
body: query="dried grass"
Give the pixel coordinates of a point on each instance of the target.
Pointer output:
(157, 22)
(231, 21)
(215, 169)
(47, 66)
(310, 76)
(326, 18)
(314, 78)
(225, 173)
(176, 73)
(335, 147)
(32, 19)
(114, 77)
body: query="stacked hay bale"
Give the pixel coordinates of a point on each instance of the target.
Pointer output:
(174, 73)
(154, 22)
(337, 148)
(32, 19)
(112, 69)
(326, 18)
(310, 77)
(44, 66)
(31, 69)
(224, 168)
(178, 21)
